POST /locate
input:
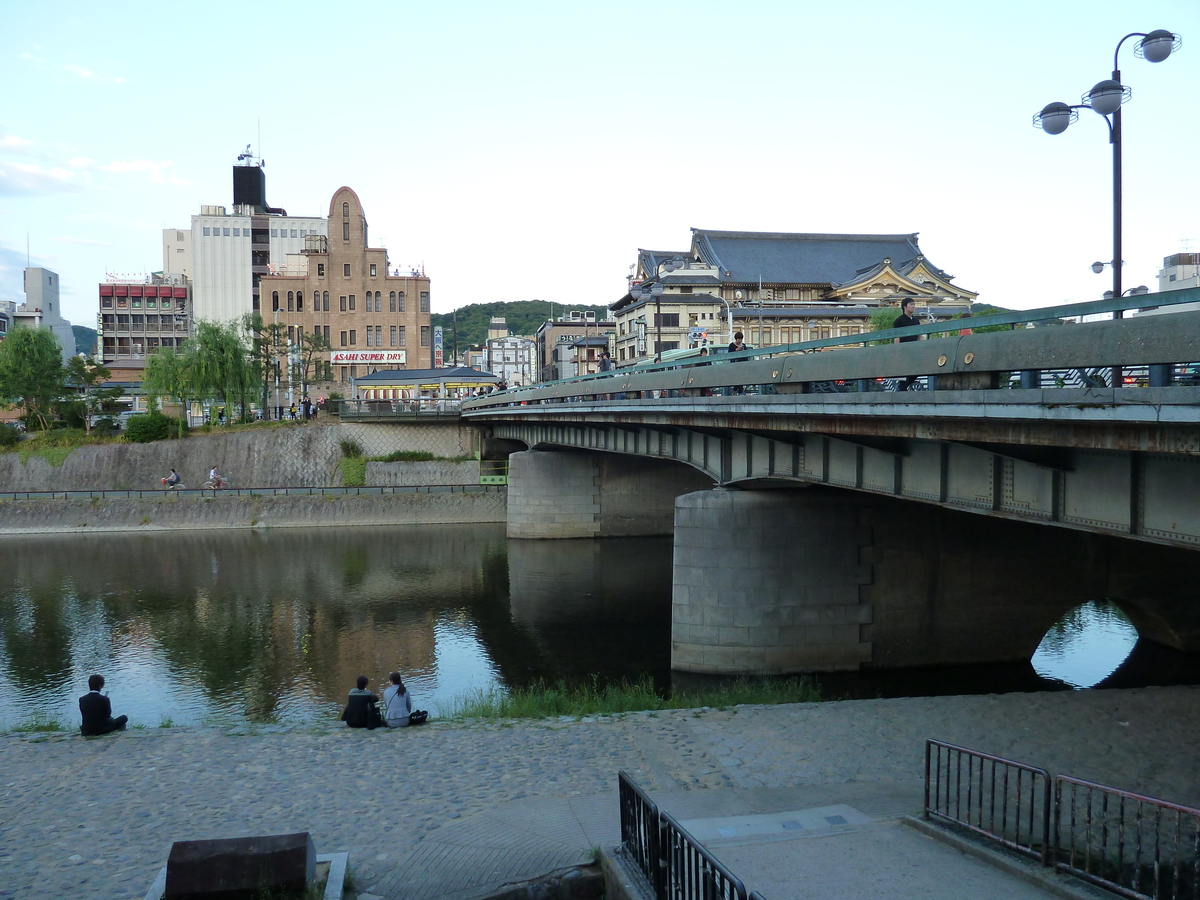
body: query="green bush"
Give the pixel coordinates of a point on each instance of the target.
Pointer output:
(9, 435)
(354, 472)
(105, 427)
(150, 427)
(405, 456)
(351, 449)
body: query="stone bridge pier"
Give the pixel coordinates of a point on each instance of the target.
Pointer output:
(821, 579)
(574, 494)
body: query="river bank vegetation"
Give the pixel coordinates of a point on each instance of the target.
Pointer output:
(541, 700)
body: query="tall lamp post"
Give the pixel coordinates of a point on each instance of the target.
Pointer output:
(655, 291)
(1106, 99)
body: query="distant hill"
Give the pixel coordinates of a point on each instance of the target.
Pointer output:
(85, 339)
(522, 316)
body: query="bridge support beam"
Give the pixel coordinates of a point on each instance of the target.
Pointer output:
(813, 580)
(572, 494)
(768, 582)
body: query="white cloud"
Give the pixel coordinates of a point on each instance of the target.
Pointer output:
(22, 179)
(82, 242)
(149, 167)
(89, 75)
(81, 162)
(13, 144)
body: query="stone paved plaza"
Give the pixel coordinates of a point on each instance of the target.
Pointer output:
(453, 809)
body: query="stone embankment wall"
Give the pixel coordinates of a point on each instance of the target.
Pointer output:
(175, 512)
(299, 456)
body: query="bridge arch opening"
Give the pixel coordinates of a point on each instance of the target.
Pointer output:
(1086, 645)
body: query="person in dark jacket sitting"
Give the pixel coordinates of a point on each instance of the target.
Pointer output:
(97, 711)
(360, 711)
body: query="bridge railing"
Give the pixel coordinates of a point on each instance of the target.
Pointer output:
(424, 408)
(1145, 351)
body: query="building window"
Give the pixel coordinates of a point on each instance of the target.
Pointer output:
(402, 340)
(424, 301)
(291, 302)
(326, 332)
(320, 270)
(226, 232)
(667, 320)
(378, 302)
(291, 334)
(400, 301)
(342, 342)
(346, 269)
(353, 337)
(372, 270)
(293, 232)
(325, 301)
(345, 231)
(393, 336)
(370, 337)
(345, 209)
(274, 301)
(274, 232)
(206, 230)
(351, 303)
(425, 335)
(378, 335)
(343, 302)
(299, 301)
(391, 301)
(237, 232)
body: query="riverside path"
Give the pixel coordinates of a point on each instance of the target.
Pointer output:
(455, 809)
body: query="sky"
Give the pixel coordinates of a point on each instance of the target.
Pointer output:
(520, 150)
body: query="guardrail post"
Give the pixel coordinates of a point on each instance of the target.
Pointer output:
(1031, 379)
(1162, 375)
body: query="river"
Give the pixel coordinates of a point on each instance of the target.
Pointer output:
(275, 625)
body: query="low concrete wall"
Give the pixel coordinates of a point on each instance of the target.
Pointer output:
(181, 512)
(431, 472)
(298, 456)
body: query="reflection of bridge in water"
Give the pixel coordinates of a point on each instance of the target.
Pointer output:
(857, 526)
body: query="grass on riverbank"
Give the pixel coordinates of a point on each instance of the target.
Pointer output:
(37, 724)
(540, 700)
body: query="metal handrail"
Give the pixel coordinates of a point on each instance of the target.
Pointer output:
(1133, 845)
(692, 872)
(1001, 797)
(159, 494)
(641, 832)
(697, 372)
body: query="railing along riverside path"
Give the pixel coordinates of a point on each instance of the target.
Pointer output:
(641, 831)
(160, 493)
(1136, 846)
(999, 798)
(1151, 351)
(392, 410)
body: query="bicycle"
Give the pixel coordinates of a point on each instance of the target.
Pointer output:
(218, 484)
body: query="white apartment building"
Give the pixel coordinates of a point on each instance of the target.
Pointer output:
(512, 359)
(42, 309)
(227, 251)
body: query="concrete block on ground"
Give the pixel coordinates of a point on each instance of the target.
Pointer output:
(240, 868)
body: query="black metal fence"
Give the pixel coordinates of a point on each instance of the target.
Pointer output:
(1137, 846)
(677, 865)
(996, 797)
(256, 492)
(1134, 845)
(692, 872)
(641, 831)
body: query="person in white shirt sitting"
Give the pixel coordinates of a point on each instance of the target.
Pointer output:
(397, 705)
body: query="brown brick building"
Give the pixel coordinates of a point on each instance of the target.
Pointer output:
(374, 318)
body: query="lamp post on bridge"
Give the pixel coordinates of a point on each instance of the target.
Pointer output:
(655, 291)
(1106, 98)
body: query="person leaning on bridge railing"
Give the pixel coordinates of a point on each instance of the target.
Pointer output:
(907, 319)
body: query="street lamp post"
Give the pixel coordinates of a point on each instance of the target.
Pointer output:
(655, 291)
(1106, 99)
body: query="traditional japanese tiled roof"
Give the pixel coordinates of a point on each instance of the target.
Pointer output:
(788, 258)
(452, 373)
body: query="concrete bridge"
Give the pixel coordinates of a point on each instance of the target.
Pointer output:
(857, 526)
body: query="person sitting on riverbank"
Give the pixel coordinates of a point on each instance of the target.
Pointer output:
(97, 711)
(361, 711)
(397, 705)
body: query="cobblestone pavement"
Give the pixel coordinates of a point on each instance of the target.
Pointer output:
(451, 809)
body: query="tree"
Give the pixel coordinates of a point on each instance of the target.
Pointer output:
(313, 347)
(31, 371)
(221, 368)
(169, 374)
(86, 376)
(267, 344)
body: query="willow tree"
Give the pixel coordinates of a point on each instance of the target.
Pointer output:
(221, 367)
(169, 374)
(31, 371)
(267, 344)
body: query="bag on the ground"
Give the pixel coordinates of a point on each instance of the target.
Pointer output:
(417, 716)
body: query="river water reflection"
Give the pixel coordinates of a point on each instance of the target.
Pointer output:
(275, 625)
